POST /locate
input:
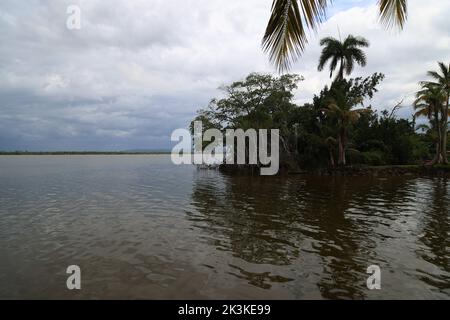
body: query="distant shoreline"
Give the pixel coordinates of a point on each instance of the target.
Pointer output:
(59, 153)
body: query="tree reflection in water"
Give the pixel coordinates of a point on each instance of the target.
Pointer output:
(312, 231)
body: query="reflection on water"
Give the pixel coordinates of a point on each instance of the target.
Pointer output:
(140, 227)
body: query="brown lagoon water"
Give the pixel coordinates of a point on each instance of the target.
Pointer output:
(140, 227)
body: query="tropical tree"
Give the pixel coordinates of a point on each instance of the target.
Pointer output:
(285, 37)
(430, 103)
(259, 101)
(339, 102)
(346, 53)
(441, 81)
(340, 107)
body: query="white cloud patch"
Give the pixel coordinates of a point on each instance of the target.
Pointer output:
(139, 69)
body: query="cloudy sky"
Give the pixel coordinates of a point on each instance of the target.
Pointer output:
(137, 70)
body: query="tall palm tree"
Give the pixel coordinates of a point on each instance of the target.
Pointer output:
(285, 37)
(430, 103)
(345, 53)
(441, 80)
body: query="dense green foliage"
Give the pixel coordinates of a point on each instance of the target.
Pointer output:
(337, 128)
(310, 133)
(433, 102)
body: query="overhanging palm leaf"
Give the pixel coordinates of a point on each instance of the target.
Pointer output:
(285, 37)
(393, 12)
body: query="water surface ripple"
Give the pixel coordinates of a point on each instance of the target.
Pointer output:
(140, 227)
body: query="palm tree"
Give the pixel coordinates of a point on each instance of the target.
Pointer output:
(285, 37)
(430, 103)
(442, 82)
(345, 53)
(340, 107)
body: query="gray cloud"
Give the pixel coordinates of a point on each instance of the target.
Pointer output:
(139, 69)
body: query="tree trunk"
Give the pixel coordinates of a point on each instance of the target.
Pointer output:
(341, 143)
(444, 132)
(438, 156)
(331, 158)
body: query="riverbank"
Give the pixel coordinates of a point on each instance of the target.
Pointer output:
(392, 170)
(356, 170)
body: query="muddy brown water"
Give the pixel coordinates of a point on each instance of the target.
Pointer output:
(140, 227)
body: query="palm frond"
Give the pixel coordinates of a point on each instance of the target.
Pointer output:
(333, 108)
(285, 37)
(423, 113)
(349, 64)
(435, 75)
(445, 69)
(333, 65)
(352, 41)
(329, 41)
(393, 12)
(359, 56)
(330, 51)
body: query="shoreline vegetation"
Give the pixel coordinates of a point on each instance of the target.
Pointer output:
(339, 131)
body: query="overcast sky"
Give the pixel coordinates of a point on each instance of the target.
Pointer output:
(137, 70)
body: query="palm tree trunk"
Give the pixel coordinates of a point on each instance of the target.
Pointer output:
(341, 144)
(438, 156)
(331, 157)
(444, 132)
